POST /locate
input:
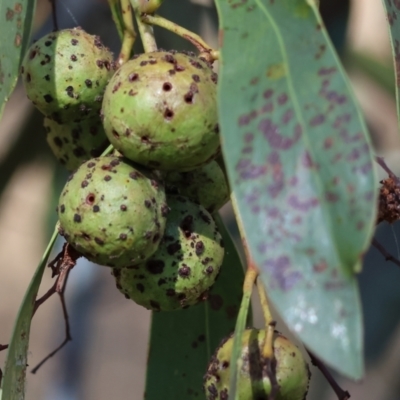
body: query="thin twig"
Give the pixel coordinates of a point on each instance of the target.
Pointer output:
(384, 166)
(54, 14)
(385, 253)
(68, 336)
(340, 393)
(3, 347)
(45, 297)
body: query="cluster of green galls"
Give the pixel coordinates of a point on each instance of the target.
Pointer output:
(146, 210)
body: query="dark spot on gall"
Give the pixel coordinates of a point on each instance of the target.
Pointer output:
(167, 86)
(184, 271)
(48, 98)
(90, 198)
(168, 114)
(133, 77)
(155, 266)
(140, 287)
(188, 97)
(77, 218)
(199, 248)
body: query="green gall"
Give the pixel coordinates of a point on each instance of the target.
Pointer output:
(184, 267)
(76, 142)
(160, 111)
(64, 74)
(113, 212)
(292, 372)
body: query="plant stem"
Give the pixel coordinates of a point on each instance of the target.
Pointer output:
(68, 336)
(129, 33)
(54, 14)
(117, 16)
(249, 279)
(268, 350)
(146, 31)
(205, 50)
(385, 253)
(340, 393)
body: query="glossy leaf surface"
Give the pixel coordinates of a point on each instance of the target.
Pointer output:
(393, 18)
(15, 26)
(182, 342)
(299, 162)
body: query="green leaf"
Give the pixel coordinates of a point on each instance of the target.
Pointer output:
(16, 18)
(299, 162)
(392, 9)
(182, 342)
(17, 355)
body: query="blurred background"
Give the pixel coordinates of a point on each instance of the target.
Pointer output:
(107, 356)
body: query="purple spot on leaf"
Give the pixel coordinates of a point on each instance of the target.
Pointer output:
(281, 273)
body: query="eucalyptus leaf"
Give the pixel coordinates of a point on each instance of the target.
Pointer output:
(16, 18)
(392, 9)
(299, 162)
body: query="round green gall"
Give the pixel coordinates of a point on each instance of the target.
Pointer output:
(76, 142)
(205, 185)
(292, 372)
(149, 6)
(65, 74)
(184, 267)
(160, 111)
(113, 212)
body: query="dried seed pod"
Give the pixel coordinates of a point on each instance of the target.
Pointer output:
(113, 212)
(292, 372)
(76, 142)
(160, 110)
(185, 265)
(205, 185)
(65, 73)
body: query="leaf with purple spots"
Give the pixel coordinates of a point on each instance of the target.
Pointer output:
(392, 8)
(16, 18)
(182, 342)
(300, 165)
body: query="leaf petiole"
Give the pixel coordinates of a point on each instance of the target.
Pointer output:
(205, 50)
(129, 33)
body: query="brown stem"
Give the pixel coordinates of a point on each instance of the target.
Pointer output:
(54, 14)
(384, 166)
(340, 393)
(68, 336)
(385, 253)
(3, 347)
(45, 297)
